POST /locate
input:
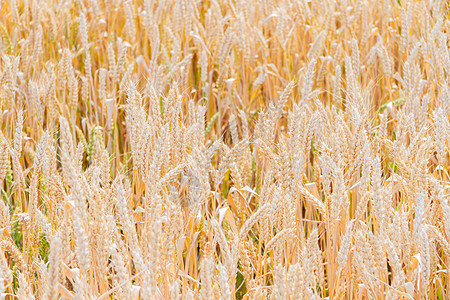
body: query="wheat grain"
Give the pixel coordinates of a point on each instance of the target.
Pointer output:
(224, 149)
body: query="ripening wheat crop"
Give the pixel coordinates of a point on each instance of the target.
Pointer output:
(224, 149)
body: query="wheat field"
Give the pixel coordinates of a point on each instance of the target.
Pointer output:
(224, 149)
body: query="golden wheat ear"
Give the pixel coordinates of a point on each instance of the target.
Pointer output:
(217, 149)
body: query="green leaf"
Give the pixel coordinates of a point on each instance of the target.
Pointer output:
(395, 102)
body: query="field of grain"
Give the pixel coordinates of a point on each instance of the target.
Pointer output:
(224, 149)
